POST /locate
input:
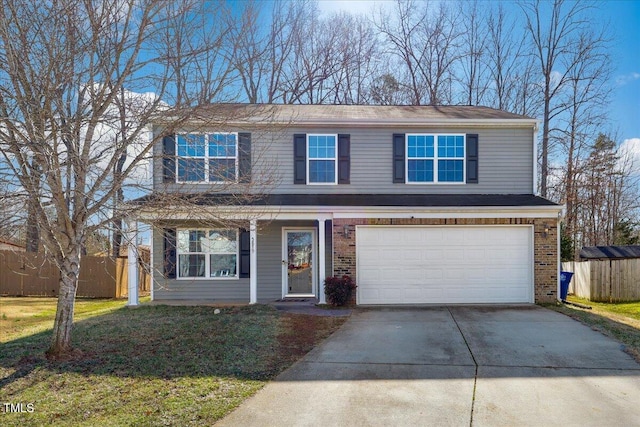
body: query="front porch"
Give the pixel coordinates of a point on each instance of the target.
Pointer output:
(286, 258)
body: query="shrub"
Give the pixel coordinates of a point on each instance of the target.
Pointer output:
(339, 289)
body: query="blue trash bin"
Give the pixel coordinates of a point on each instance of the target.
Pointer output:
(565, 279)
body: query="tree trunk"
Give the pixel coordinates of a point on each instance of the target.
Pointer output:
(33, 231)
(544, 161)
(33, 228)
(69, 272)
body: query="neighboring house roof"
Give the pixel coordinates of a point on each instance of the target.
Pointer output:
(610, 252)
(350, 114)
(396, 200)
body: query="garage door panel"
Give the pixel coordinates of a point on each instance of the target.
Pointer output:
(393, 274)
(451, 264)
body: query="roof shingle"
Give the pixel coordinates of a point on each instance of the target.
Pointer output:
(610, 252)
(287, 113)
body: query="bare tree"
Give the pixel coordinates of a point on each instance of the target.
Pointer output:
(428, 43)
(358, 57)
(64, 67)
(264, 49)
(400, 31)
(554, 35)
(314, 62)
(606, 205)
(474, 41)
(586, 95)
(512, 85)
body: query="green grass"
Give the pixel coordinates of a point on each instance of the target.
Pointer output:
(630, 310)
(154, 365)
(21, 317)
(617, 320)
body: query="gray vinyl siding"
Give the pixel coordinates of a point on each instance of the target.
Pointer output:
(505, 162)
(269, 245)
(270, 261)
(220, 290)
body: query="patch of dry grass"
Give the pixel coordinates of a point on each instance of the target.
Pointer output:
(23, 316)
(155, 365)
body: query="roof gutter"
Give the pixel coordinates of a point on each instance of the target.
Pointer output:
(314, 212)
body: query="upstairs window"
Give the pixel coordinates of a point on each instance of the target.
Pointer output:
(435, 158)
(322, 165)
(207, 157)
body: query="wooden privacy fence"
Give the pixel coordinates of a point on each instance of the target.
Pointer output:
(27, 274)
(605, 280)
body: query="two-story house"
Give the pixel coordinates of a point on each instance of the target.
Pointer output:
(419, 204)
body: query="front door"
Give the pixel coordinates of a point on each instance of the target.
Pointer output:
(299, 262)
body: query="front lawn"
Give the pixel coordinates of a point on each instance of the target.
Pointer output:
(617, 320)
(154, 365)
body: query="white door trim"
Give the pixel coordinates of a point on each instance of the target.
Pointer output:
(285, 263)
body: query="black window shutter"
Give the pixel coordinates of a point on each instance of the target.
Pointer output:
(245, 254)
(300, 158)
(472, 158)
(398, 157)
(344, 158)
(244, 157)
(169, 159)
(170, 257)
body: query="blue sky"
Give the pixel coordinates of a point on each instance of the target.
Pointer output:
(625, 108)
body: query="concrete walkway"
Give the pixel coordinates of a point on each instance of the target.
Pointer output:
(458, 366)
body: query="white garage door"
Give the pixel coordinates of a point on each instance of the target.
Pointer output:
(423, 265)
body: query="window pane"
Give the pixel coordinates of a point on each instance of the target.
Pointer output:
(223, 265)
(459, 146)
(191, 145)
(222, 145)
(420, 146)
(331, 147)
(313, 146)
(183, 240)
(196, 241)
(322, 147)
(191, 170)
(420, 170)
(322, 171)
(191, 265)
(451, 146)
(450, 170)
(222, 170)
(222, 241)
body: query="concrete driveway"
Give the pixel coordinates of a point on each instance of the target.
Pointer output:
(460, 366)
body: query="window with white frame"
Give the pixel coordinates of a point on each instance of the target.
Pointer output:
(207, 253)
(435, 158)
(207, 157)
(322, 164)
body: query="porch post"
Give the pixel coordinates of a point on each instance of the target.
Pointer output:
(132, 262)
(321, 261)
(253, 262)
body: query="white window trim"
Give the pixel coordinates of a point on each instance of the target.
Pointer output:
(207, 258)
(206, 158)
(435, 159)
(335, 159)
